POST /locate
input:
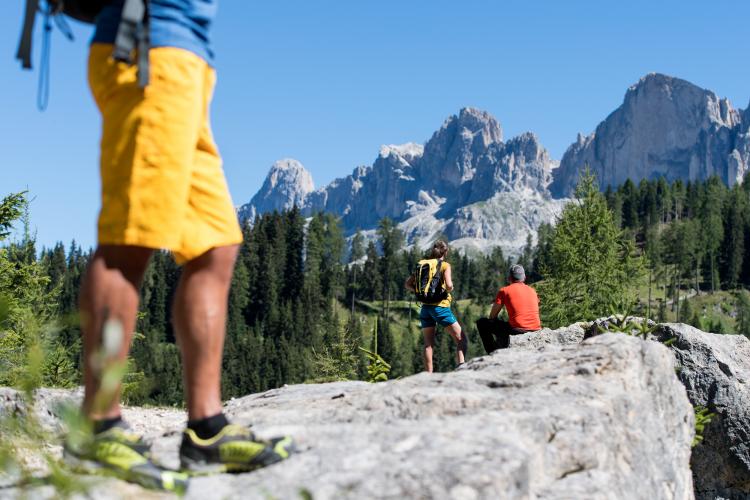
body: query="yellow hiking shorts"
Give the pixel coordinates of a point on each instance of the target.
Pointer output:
(162, 181)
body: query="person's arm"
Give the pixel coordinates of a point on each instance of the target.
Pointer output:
(448, 279)
(409, 284)
(497, 306)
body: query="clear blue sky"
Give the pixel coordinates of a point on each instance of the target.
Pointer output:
(327, 82)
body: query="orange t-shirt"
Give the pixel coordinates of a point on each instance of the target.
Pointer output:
(522, 304)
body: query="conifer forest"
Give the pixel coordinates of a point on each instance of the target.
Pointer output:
(304, 298)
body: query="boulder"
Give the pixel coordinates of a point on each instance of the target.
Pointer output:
(715, 370)
(47, 405)
(567, 335)
(605, 419)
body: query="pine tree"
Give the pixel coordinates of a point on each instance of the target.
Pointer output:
(591, 264)
(678, 199)
(734, 237)
(358, 247)
(294, 269)
(712, 229)
(542, 252)
(372, 284)
(391, 240)
(629, 193)
(354, 270)
(332, 273)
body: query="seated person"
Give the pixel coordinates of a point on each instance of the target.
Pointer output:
(522, 304)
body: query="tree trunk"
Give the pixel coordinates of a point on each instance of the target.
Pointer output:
(648, 307)
(697, 282)
(677, 292)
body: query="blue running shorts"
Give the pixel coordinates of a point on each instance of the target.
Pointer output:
(431, 315)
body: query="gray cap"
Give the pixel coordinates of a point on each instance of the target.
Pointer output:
(517, 273)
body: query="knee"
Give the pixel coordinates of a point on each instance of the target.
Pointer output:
(219, 261)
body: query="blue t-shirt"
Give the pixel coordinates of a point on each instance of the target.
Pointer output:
(173, 23)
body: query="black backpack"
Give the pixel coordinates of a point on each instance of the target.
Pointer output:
(428, 281)
(132, 33)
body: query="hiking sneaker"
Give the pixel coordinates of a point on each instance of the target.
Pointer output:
(233, 449)
(121, 453)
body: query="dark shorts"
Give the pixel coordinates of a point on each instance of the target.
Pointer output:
(429, 316)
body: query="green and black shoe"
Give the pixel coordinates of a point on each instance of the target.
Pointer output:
(233, 449)
(120, 453)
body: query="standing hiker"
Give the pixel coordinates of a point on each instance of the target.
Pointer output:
(522, 304)
(432, 284)
(163, 187)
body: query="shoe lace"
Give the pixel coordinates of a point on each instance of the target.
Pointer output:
(235, 430)
(123, 436)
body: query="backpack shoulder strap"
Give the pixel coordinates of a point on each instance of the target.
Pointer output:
(23, 53)
(132, 34)
(438, 276)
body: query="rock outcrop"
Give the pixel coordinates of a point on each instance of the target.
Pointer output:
(465, 182)
(715, 370)
(603, 419)
(666, 127)
(569, 335)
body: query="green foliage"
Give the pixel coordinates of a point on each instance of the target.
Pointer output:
(590, 263)
(378, 368)
(743, 312)
(338, 360)
(27, 301)
(702, 418)
(22, 437)
(11, 209)
(625, 323)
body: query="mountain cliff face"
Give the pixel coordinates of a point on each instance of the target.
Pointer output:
(468, 184)
(287, 184)
(465, 183)
(665, 127)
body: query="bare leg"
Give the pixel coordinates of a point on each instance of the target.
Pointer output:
(199, 317)
(109, 291)
(429, 343)
(455, 331)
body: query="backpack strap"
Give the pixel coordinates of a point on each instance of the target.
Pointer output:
(23, 53)
(437, 276)
(132, 34)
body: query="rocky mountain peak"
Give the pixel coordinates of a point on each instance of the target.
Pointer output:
(476, 121)
(453, 151)
(666, 127)
(287, 184)
(460, 183)
(668, 93)
(527, 144)
(409, 151)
